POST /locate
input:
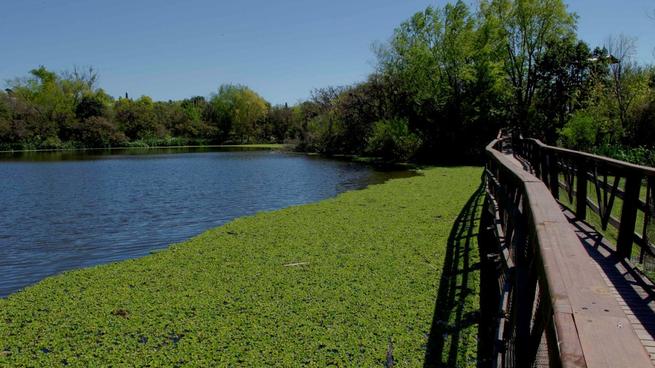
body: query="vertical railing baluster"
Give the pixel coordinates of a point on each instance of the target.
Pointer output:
(648, 215)
(543, 153)
(536, 159)
(628, 214)
(581, 189)
(554, 174)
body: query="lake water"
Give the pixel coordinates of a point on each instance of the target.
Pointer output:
(67, 210)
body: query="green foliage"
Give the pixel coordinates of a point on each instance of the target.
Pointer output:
(53, 96)
(453, 75)
(169, 142)
(221, 108)
(136, 119)
(619, 95)
(580, 133)
(563, 86)
(642, 125)
(90, 106)
(98, 132)
(225, 298)
(639, 155)
(433, 52)
(391, 138)
(444, 60)
(6, 117)
(279, 124)
(523, 31)
(249, 109)
(5, 111)
(65, 110)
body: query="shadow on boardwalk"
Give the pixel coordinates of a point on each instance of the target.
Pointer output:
(444, 347)
(634, 291)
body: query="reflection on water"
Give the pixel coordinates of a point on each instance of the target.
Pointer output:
(101, 154)
(66, 210)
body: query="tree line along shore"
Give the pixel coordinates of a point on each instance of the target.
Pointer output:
(445, 82)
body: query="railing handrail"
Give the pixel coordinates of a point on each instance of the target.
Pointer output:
(569, 348)
(549, 162)
(646, 170)
(547, 281)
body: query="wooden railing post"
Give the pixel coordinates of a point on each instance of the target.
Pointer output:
(581, 190)
(554, 174)
(536, 159)
(522, 298)
(543, 155)
(628, 214)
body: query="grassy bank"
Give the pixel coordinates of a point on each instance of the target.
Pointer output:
(383, 276)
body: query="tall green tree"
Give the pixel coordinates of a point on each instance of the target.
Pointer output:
(627, 79)
(249, 109)
(432, 52)
(38, 105)
(137, 119)
(444, 59)
(45, 102)
(563, 73)
(221, 110)
(280, 119)
(524, 29)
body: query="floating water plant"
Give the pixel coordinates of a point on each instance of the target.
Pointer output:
(382, 276)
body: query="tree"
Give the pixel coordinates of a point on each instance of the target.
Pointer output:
(642, 129)
(99, 132)
(432, 51)
(279, 121)
(37, 105)
(47, 102)
(562, 72)
(524, 29)
(619, 93)
(90, 105)
(78, 82)
(249, 108)
(41, 91)
(442, 60)
(221, 110)
(627, 80)
(137, 119)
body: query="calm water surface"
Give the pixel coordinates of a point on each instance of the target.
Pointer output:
(62, 211)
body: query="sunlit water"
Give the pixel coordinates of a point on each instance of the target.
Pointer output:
(62, 211)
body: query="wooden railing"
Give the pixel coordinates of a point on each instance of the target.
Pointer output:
(610, 181)
(554, 306)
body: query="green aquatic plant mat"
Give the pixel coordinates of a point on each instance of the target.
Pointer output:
(379, 277)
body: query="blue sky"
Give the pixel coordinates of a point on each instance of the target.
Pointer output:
(280, 49)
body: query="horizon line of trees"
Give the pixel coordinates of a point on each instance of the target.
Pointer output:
(442, 86)
(67, 110)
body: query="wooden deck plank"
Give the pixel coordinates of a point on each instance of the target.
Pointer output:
(601, 355)
(632, 294)
(598, 316)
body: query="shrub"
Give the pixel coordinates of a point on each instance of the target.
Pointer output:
(392, 139)
(639, 156)
(580, 132)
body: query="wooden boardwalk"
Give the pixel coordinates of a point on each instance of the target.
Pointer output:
(634, 292)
